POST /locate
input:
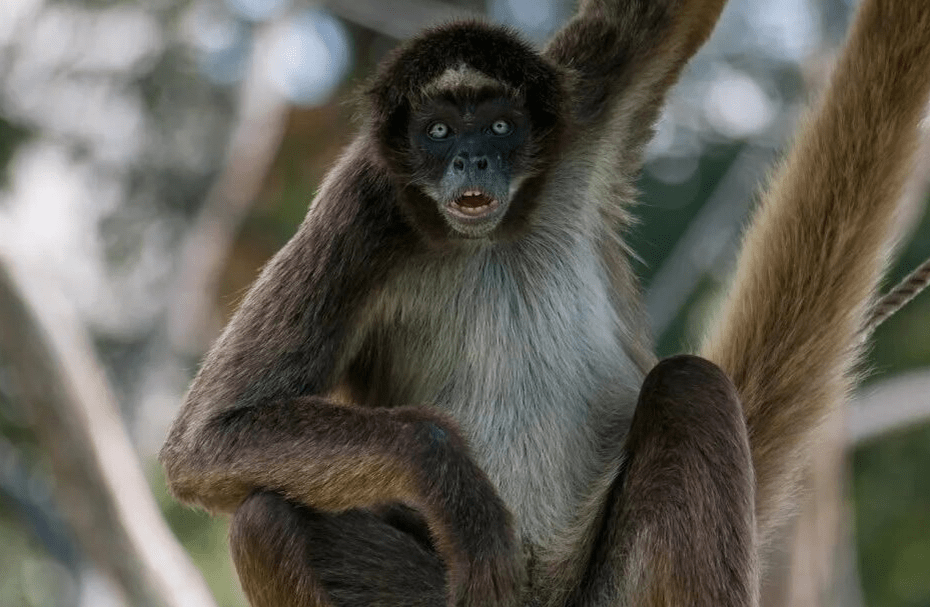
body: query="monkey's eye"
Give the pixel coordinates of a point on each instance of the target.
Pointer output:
(438, 130)
(501, 127)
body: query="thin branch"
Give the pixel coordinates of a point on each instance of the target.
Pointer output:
(191, 320)
(99, 481)
(892, 404)
(814, 565)
(711, 238)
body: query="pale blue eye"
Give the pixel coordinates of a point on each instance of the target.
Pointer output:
(438, 130)
(501, 127)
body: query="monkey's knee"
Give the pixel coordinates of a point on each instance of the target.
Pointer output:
(689, 436)
(689, 403)
(688, 498)
(269, 540)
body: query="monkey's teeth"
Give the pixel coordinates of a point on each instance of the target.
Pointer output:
(475, 210)
(471, 211)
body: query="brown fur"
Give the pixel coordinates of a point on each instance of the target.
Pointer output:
(473, 451)
(287, 554)
(681, 527)
(789, 335)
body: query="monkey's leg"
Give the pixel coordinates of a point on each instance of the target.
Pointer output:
(290, 556)
(680, 526)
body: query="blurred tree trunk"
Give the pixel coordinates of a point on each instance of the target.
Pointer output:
(100, 486)
(815, 565)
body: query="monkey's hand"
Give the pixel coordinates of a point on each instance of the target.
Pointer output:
(473, 531)
(627, 54)
(335, 458)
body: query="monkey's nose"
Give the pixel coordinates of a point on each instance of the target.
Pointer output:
(478, 162)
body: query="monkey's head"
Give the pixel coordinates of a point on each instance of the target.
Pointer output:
(467, 117)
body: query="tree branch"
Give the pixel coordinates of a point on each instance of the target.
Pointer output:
(99, 481)
(892, 404)
(253, 144)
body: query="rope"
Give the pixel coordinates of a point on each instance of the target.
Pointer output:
(897, 298)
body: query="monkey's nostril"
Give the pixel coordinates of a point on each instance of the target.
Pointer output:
(482, 164)
(458, 164)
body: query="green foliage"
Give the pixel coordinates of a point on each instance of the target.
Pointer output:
(667, 209)
(28, 577)
(11, 136)
(891, 491)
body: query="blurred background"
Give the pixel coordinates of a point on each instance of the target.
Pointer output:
(153, 155)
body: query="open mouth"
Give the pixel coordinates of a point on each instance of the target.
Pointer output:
(473, 204)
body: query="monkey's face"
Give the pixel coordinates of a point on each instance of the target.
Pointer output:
(468, 157)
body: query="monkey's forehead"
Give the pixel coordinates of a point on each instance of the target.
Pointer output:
(463, 52)
(463, 77)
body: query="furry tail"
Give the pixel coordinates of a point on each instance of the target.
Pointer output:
(789, 331)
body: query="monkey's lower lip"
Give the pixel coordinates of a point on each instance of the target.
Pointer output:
(473, 205)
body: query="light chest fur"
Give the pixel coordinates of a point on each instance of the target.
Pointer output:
(522, 345)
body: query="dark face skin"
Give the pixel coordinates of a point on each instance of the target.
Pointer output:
(470, 158)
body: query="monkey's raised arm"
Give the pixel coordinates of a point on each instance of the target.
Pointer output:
(790, 331)
(254, 418)
(626, 54)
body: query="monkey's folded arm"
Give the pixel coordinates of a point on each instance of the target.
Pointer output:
(335, 457)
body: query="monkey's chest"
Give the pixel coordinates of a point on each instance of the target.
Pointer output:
(533, 371)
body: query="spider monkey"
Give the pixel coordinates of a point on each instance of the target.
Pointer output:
(434, 393)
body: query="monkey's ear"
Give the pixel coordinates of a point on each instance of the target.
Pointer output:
(384, 96)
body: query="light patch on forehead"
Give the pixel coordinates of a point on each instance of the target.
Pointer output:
(460, 76)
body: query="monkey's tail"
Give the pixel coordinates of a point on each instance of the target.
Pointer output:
(789, 332)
